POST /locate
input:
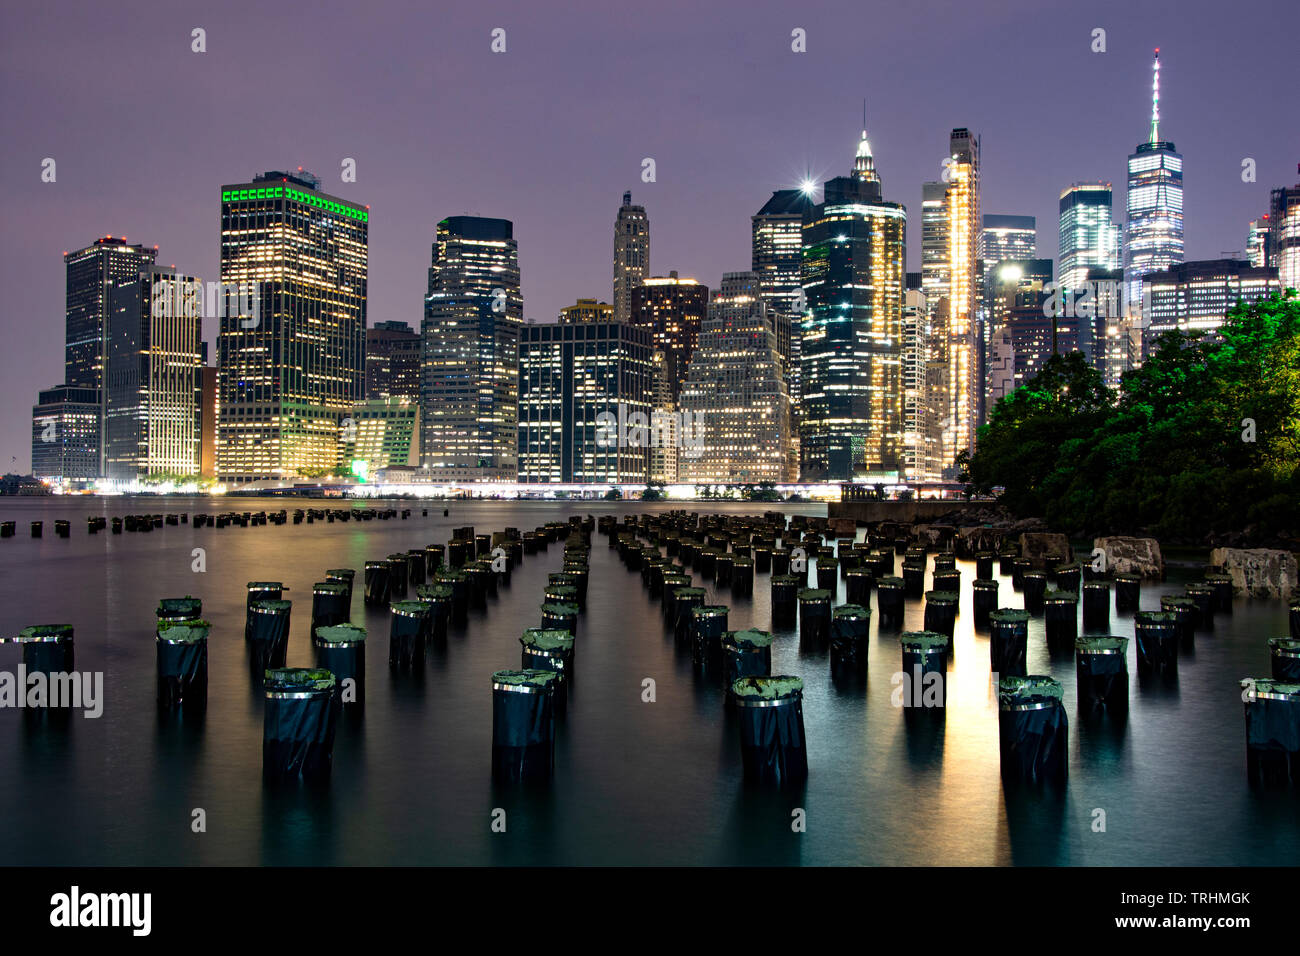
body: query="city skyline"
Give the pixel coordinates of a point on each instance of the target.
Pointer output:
(701, 212)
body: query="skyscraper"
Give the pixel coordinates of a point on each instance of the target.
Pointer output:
(290, 366)
(587, 310)
(1284, 235)
(92, 275)
(1006, 237)
(776, 258)
(935, 264)
(1195, 296)
(469, 399)
(1153, 237)
(851, 419)
(672, 309)
(916, 353)
(392, 361)
(153, 383)
(631, 255)
(736, 391)
(1089, 239)
(965, 347)
(570, 375)
(65, 434)
(1257, 250)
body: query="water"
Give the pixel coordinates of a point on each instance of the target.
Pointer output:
(635, 783)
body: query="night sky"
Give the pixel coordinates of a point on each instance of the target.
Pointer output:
(551, 132)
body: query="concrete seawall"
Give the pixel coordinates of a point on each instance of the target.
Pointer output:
(903, 511)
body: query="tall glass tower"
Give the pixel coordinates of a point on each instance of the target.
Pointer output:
(965, 347)
(469, 395)
(288, 372)
(1089, 239)
(851, 416)
(777, 255)
(1154, 235)
(631, 255)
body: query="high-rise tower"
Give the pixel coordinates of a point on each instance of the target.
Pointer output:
(1089, 239)
(290, 367)
(469, 397)
(631, 255)
(851, 415)
(776, 256)
(964, 358)
(1153, 239)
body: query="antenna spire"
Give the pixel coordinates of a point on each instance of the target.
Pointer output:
(1155, 99)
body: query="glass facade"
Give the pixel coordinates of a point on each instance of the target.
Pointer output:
(469, 395)
(570, 375)
(154, 380)
(290, 367)
(776, 258)
(392, 361)
(672, 309)
(1196, 296)
(1089, 239)
(851, 414)
(1153, 237)
(735, 393)
(65, 434)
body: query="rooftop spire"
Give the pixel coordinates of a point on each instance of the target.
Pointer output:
(864, 165)
(1155, 99)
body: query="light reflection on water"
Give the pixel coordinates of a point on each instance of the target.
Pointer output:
(635, 782)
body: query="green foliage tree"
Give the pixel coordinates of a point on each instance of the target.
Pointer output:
(1203, 438)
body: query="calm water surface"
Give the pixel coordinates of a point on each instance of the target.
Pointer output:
(635, 783)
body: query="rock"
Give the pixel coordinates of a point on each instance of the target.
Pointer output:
(971, 541)
(1258, 572)
(1045, 549)
(935, 537)
(1126, 555)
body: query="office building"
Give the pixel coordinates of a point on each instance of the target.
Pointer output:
(776, 251)
(153, 417)
(469, 397)
(92, 274)
(65, 435)
(291, 345)
(735, 393)
(672, 309)
(1153, 238)
(631, 255)
(1284, 235)
(379, 434)
(392, 361)
(1089, 239)
(585, 403)
(851, 415)
(1196, 296)
(587, 310)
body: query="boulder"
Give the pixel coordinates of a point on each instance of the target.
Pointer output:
(1258, 572)
(971, 541)
(1045, 549)
(1132, 556)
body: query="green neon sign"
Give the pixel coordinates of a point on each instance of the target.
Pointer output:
(307, 199)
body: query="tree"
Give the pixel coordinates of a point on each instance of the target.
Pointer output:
(1204, 438)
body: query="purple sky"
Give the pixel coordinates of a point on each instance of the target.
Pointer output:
(550, 133)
